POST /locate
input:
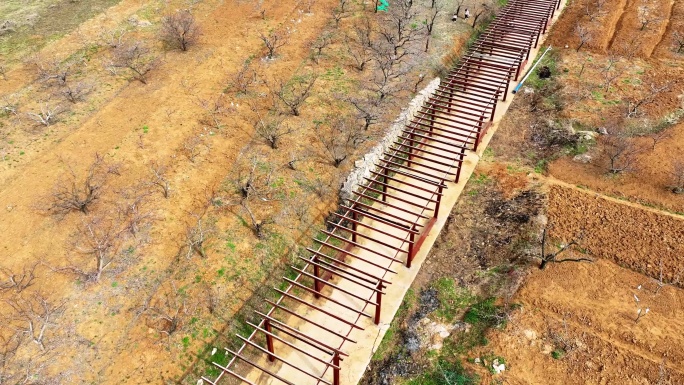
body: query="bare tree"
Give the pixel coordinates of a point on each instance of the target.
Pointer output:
(101, 239)
(47, 115)
(584, 35)
(75, 93)
(135, 57)
(9, 105)
(214, 111)
(436, 9)
(340, 137)
(644, 98)
(133, 207)
(112, 38)
(678, 42)
(272, 128)
(611, 71)
(56, 72)
(622, 154)
(459, 4)
(399, 27)
(677, 177)
(179, 30)
(295, 91)
(73, 194)
(274, 40)
(646, 17)
(359, 55)
(368, 108)
(319, 44)
(166, 314)
(198, 234)
(159, 179)
(18, 281)
(341, 11)
(32, 316)
(547, 258)
(192, 146)
(244, 78)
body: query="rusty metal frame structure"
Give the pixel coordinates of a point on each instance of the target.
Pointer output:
(410, 178)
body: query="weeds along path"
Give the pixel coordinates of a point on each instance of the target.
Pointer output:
(325, 319)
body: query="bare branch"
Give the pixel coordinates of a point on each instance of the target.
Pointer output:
(179, 30)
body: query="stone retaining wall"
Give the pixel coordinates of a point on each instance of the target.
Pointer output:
(364, 165)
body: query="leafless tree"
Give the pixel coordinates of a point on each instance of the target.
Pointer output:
(133, 207)
(584, 35)
(435, 10)
(646, 17)
(47, 115)
(74, 194)
(644, 98)
(399, 27)
(56, 72)
(678, 42)
(159, 179)
(272, 127)
(484, 10)
(192, 146)
(368, 107)
(112, 38)
(319, 44)
(341, 11)
(340, 137)
(293, 93)
(101, 239)
(547, 258)
(274, 40)
(179, 30)
(17, 281)
(677, 175)
(621, 152)
(75, 93)
(358, 54)
(214, 110)
(135, 57)
(32, 316)
(166, 314)
(613, 70)
(9, 105)
(244, 78)
(9, 345)
(198, 234)
(459, 4)
(657, 136)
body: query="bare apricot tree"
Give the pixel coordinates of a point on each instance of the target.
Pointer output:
(435, 10)
(341, 11)
(18, 281)
(319, 44)
(133, 208)
(274, 40)
(340, 137)
(134, 57)
(678, 42)
(646, 17)
(645, 97)
(33, 315)
(272, 127)
(399, 27)
(677, 177)
(113, 37)
(75, 93)
(547, 258)
(158, 178)
(368, 107)
(100, 239)
(294, 92)
(48, 114)
(243, 80)
(72, 193)
(584, 35)
(179, 30)
(620, 151)
(198, 234)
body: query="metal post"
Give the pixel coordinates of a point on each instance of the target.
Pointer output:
(336, 371)
(385, 172)
(378, 299)
(317, 273)
(354, 226)
(269, 340)
(411, 250)
(439, 200)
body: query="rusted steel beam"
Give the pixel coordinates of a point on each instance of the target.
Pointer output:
(293, 313)
(334, 286)
(381, 211)
(247, 361)
(390, 156)
(312, 291)
(336, 270)
(421, 149)
(318, 308)
(360, 246)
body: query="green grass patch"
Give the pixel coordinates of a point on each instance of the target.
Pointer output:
(452, 299)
